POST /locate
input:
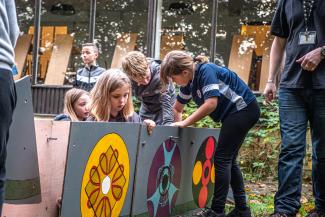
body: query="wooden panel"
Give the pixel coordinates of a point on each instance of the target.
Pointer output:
(52, 141)
(265, 63)
(21, 52)
(240, 60)
(46, 41)
(260, 32)
(124, 44)
(59, 60)
(47, 38)
(169, 43)
(61, 30)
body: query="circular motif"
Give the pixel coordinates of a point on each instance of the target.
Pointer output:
(106, 178)
(164, 179)
(197, 172)
(203, 173)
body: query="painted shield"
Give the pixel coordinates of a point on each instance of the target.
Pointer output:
(164, 179)
(203, 173)
(106, 178)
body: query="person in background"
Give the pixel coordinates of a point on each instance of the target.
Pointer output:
(9, 33)
(299, 30)
(221, 94)
(111, 100)
(156, 100)
(75, 106)
(87, 76)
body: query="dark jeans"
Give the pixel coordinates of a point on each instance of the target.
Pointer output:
(7, 105)
(297, 107)
(227, 172)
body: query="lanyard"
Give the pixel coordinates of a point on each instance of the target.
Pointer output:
(308, 8)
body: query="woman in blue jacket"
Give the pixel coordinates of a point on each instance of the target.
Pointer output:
(221, 94)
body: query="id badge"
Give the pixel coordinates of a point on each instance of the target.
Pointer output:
(308, 37)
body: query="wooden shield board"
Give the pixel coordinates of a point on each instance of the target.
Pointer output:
(159, 161)
(100, 169)
(52, 140)
(23, 180)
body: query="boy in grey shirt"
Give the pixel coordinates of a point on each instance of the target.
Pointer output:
(156, 100)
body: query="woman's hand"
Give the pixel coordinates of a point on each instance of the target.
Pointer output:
(150, 125)
(178, 124)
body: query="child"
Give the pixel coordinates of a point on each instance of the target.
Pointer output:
(75, 106)
(156, 100)
(88, 75)
(222, 95)
(111, 99)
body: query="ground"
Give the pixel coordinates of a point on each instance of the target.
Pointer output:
(261, 198)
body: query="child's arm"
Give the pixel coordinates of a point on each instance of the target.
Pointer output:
(178, 111)
(167, 99)
(208, 106)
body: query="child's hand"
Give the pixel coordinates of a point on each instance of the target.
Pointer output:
(150, 125)
(178, 124)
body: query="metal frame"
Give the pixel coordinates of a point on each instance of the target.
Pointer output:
(213, 30)
(37, 26)
(92, 21)
(151, 28)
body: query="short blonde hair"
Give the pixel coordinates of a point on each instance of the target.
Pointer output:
(70, 98)
(109, 81)
(135, 64)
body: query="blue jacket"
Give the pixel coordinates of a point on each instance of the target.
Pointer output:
(87, 77)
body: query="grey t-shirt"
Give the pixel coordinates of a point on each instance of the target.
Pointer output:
(287, 23)
(9, 32)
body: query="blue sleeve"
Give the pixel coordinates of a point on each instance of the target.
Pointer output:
(184, 96)
(209, 83)
(279, 26)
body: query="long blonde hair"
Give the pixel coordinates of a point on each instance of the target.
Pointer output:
(70, 98)
(177, 61)
(109, 81)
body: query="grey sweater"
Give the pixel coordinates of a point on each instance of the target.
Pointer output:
(156, 100)
(9, 33)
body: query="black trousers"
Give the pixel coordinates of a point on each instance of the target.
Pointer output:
(227, 172)
(7, 105)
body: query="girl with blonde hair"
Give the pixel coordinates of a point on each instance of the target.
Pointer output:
(221, 94)
(75, 106)
(111, 99)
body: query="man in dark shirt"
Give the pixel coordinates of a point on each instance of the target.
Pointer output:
(88, 75)
(299, 30)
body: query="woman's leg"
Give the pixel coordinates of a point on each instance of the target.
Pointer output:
(233, 131)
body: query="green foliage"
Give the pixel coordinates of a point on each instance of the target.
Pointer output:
(206, 122)
(258, 156)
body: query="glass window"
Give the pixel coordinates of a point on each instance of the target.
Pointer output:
(64, 27)
(121, 26)
(185, 25)
(243, 39)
